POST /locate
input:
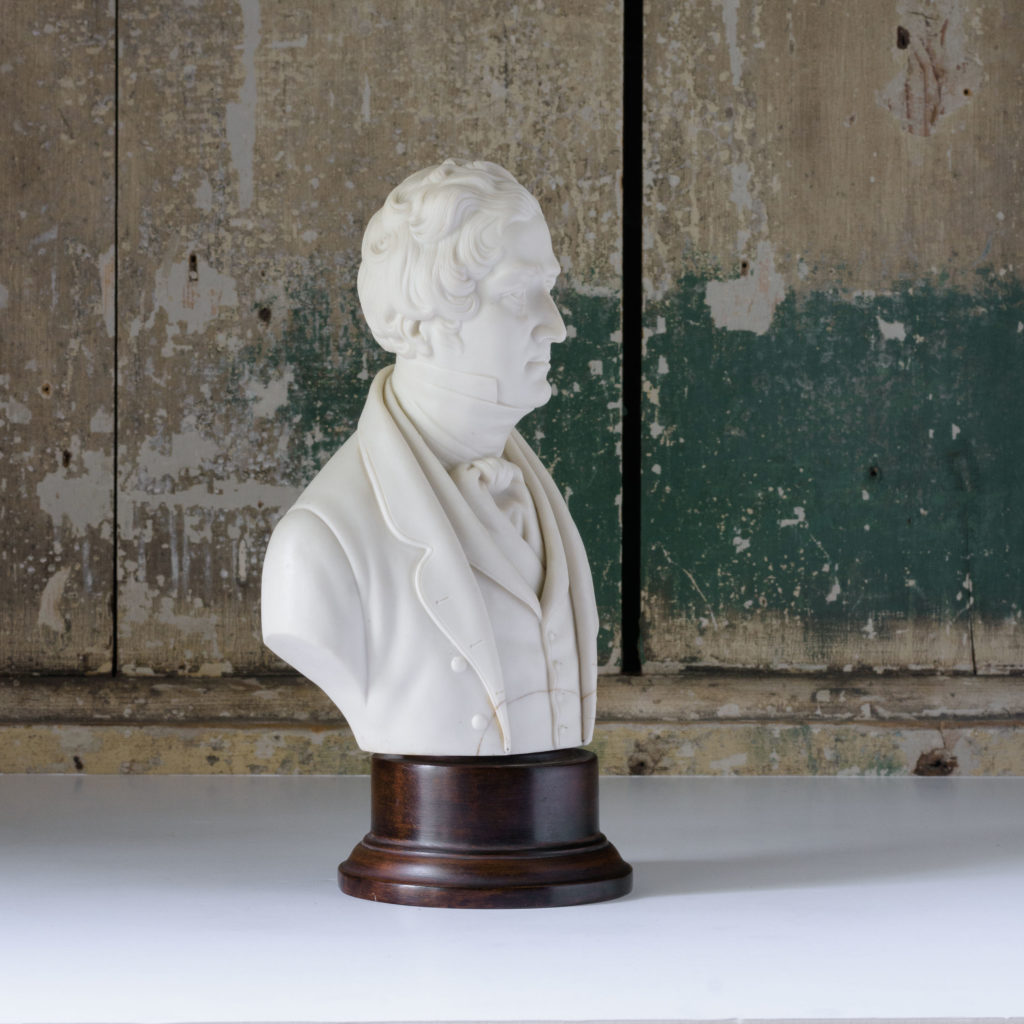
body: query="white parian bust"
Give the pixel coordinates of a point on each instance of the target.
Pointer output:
(430, 578)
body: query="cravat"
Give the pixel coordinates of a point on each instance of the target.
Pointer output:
(494, 488)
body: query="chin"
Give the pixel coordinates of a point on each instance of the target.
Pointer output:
(533, 397)
(543, 396)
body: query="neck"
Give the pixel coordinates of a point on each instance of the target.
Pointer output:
(457, 414)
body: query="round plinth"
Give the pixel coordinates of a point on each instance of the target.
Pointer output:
(485, 832)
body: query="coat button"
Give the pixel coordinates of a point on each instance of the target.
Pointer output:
(478, 722)
(458, 663)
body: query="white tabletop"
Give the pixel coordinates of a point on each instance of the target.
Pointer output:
(214, 899)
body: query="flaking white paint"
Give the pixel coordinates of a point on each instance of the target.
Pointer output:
(107, 269)
(192, 303)
(82, 497)
(12, 410)
(101, 422)
(800, 516)
(730, 19)
(727, 765)
(50, 615)
(743, 201)
(240, 117)
(269, 397)
(892, 331)
(748, 303)
(204, 195)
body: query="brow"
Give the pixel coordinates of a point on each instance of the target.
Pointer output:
(520, 271)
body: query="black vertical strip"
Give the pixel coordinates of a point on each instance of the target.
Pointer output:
(117, 320)
(632, 325)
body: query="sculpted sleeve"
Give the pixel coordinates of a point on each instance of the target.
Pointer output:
(311, 609)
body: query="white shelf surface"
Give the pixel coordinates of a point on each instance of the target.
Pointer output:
(158, 899)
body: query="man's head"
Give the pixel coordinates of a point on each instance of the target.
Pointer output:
(437, 235)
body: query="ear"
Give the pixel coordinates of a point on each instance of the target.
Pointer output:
(429, 333)
(410, 339)
(422, 339)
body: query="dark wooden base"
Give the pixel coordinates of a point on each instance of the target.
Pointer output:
(516, 831)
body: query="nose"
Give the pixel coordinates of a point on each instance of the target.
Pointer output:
(550, 327)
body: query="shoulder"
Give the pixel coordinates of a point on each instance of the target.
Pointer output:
(344, 468)
(341, 494)
(304, 557)
(307, 552)
(311, 607)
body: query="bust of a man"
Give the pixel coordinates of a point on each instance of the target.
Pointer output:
(430, 578)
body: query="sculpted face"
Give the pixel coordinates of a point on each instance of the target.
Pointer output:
(510, 337)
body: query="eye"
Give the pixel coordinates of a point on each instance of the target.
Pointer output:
(515, 299)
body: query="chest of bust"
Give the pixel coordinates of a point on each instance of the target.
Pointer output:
(539, 665)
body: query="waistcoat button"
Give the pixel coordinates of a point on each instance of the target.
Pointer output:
(478, 722)
(458, 663)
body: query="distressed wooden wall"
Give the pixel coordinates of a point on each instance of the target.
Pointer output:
(835, 351)
(57, 89)
(256, 140)
(833, 346)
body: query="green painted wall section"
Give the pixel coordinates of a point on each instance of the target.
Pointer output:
(315, 338)
(844, 490)
(578, 436)
(317, 342)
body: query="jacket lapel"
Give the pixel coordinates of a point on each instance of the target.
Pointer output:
(485, 554)
(444, 581)
(581, 582)
(556, 570)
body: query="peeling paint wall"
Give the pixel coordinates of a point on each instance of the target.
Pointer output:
(256, 140)
(834, 344)
(57, 91)
(832, 356)
(662, 725)
(623, 749)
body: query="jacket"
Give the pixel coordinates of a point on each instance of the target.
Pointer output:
(369, 591)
